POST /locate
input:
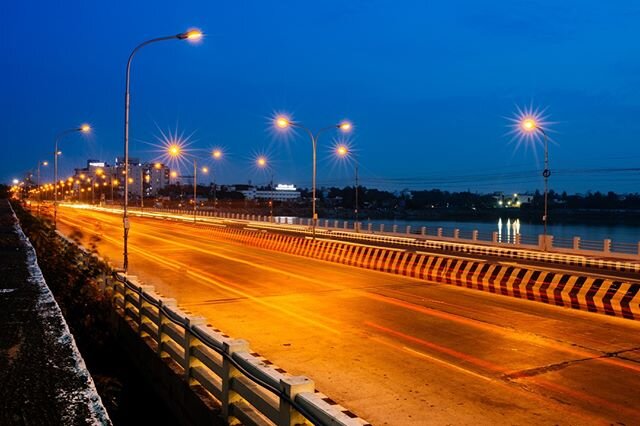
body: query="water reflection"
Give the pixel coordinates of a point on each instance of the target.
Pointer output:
(511, 231)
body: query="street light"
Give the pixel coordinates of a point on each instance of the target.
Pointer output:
(85, 128)
(40, 163)
(175, 152)
(263, 163)
(191, 35)
(283, 122)
(216, 155)
(530, 124)
(343, 151)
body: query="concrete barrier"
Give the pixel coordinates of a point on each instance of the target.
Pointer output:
(587, 293)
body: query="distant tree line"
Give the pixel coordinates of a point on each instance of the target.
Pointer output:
(372, 198)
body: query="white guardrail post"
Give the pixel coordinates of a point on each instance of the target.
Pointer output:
(291, 386)
(576, 243)
(229, 371)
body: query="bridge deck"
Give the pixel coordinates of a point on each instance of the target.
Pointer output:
(393, 349)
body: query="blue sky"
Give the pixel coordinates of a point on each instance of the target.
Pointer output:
(428, 85)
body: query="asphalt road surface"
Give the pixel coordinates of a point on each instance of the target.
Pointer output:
(394, 350)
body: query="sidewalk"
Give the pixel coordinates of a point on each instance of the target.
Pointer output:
(43, 378)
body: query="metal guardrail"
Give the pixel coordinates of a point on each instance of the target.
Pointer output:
(249, 388)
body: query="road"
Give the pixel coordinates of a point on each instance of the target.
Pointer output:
(394, 350)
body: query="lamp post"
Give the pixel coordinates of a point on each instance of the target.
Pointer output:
(85, 128)
(217, 155)
(263, 163)
(530, 125)
(344, 151)
(283, 122)
(175, 151)
(192, 35)
(40, 163)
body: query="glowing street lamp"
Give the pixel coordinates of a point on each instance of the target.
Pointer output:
(263, 163)
(343, 151)
(216, 155)
(283, 122)
(193, 35)
(40, 163)
(174, 151)
(530, 124)
(85, 128)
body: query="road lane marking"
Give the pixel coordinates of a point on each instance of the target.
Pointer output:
(447, 364)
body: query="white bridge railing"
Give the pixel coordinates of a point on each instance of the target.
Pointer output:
(248, 387)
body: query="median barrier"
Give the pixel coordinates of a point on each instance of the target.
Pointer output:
(587, 293)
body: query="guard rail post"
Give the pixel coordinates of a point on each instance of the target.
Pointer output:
(188, 344)
(394, 229)
(171, 303)
(408, 229)
(606, 246)
(474, 235)
(143, 304)
(370, 229)
(346, 224)
(382, 227)
(423, 231)
(335, 224)
(229, 371)
(159, 329)
(439, 232)
(456, 233)
(291, 386)
(518, 239)
(494, 237)
(576, 243)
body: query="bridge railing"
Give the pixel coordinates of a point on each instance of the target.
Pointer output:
(575, 245)
(248, 387)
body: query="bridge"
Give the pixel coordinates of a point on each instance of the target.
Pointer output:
(392, 348)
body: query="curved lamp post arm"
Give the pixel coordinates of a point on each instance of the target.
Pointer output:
(314, 144)
(125, 220)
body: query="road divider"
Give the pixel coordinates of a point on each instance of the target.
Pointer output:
(570, 290)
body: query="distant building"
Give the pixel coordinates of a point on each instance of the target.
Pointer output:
(511, 200)
(282, 192)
